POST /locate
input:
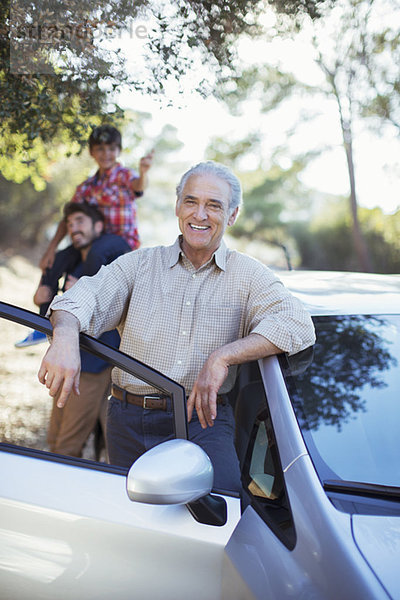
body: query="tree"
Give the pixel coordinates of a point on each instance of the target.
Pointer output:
(358, 51)
(360, 86)
(325, 241)
(273, 195)
(27, 209)
(267, 205)
(380, 55)
(56, 73)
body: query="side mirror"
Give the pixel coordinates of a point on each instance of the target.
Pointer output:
(174, 472)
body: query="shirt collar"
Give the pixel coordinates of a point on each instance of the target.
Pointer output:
(219, 255)
(174, 253)
(107, 172)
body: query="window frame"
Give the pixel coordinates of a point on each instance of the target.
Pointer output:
(116, 358)
(267, 508)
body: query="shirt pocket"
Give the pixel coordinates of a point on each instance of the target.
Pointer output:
(217, 326)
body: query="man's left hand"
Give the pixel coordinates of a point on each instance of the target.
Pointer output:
(203, 396)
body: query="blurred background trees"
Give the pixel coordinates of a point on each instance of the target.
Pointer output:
(59, 71)
(53, 95)
(357, 48)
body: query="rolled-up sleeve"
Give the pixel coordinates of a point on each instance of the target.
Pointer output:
(273, 312)
(100, 302)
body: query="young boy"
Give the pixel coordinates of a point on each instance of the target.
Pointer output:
(113, 189)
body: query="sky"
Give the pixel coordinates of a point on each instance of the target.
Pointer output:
(199, 119)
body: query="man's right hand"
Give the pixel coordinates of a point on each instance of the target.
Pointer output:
(61, 365)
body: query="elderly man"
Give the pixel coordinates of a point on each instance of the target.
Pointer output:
(193, 310)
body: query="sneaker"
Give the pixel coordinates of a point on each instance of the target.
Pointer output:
(35, 337)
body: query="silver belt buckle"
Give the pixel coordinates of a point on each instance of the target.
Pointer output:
(145, 398)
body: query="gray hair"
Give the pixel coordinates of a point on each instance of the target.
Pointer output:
(213, 168)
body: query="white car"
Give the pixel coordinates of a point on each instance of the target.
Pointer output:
(317, 436)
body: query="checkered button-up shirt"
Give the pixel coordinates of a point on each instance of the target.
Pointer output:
(113, 194)
(171, 316)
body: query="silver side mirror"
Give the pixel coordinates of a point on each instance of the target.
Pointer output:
(174, 472)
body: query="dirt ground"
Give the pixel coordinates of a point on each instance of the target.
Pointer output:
(24, 403)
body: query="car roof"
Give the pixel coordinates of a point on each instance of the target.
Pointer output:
(339, 292)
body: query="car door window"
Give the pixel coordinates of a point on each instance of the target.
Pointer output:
(265, 479)
(262, 474)
(26, 407)
(24, 403)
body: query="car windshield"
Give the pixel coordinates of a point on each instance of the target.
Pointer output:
(346, 395)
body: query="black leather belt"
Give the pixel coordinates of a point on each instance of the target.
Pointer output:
(151, 401)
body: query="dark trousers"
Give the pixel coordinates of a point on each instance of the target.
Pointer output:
(131, 430)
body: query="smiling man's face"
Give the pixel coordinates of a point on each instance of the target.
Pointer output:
(203, 214)
(82, 230)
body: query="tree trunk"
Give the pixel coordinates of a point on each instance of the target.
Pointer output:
(360, 245)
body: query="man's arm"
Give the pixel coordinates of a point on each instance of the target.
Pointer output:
(48, 257)
(203, 396)
(61, 365)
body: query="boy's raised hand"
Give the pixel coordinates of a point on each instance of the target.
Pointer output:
(146, 162)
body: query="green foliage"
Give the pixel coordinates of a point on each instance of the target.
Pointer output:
(361, 60)
(327, 242)
(357, 47)
(166, 142)
(271, 200)
(57, 77)
(229, 152)
(264, 83)
(328, 247)
(22, 211)
(261, 215)
(308, 7)
(18, 164)
(383, 73)
(261, 218)
(26, 210)
(44, 93)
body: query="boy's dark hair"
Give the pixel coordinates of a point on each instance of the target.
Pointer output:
(105, 134)
(87, 209)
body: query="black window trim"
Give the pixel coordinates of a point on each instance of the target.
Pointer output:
(264, 507)
(63, 459)
(117, 358)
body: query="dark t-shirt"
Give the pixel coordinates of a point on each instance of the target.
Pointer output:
(68, 262)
